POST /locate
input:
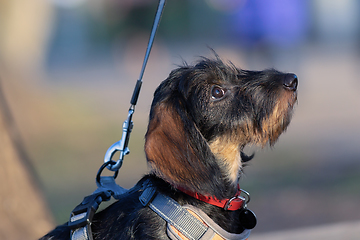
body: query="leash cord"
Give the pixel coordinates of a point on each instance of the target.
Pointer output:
(122, 145)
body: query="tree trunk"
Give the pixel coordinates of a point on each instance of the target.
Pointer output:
(24, 30)
(23, 211)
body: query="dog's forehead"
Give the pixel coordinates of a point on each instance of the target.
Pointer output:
(201, 78)
(216, 72)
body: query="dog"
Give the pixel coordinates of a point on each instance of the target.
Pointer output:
(201, 118)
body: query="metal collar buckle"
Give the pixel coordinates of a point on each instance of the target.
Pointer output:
(238, 200)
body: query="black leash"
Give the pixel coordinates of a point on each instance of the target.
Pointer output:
(82, 215)
(122, 145)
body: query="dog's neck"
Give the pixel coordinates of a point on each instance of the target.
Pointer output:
(228, 154)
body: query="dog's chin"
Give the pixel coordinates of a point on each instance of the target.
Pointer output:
(237, 171)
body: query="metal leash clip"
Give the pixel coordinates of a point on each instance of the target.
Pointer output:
(120, 146)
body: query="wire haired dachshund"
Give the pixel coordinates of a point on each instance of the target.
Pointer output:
(201, 118)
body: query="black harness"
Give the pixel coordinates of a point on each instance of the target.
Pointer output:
(177, 217)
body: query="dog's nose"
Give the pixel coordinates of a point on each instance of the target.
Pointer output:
(290, 82)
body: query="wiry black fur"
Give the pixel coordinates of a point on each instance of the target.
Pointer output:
(249, 100)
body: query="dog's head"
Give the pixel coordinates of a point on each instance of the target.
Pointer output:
(202, 117)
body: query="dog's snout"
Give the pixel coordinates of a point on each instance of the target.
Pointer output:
(290, 82)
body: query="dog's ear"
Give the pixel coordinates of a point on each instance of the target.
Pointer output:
(175, 149)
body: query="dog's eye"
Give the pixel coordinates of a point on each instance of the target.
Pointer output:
(218, 92)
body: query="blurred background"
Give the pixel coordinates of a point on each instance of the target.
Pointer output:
(68, 69)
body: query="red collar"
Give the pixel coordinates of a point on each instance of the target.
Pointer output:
(232, 204)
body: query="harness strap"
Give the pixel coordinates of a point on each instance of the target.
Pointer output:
(185, 224)
(217, 232)
(173, 213)
(82, 215)
(83, 233)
